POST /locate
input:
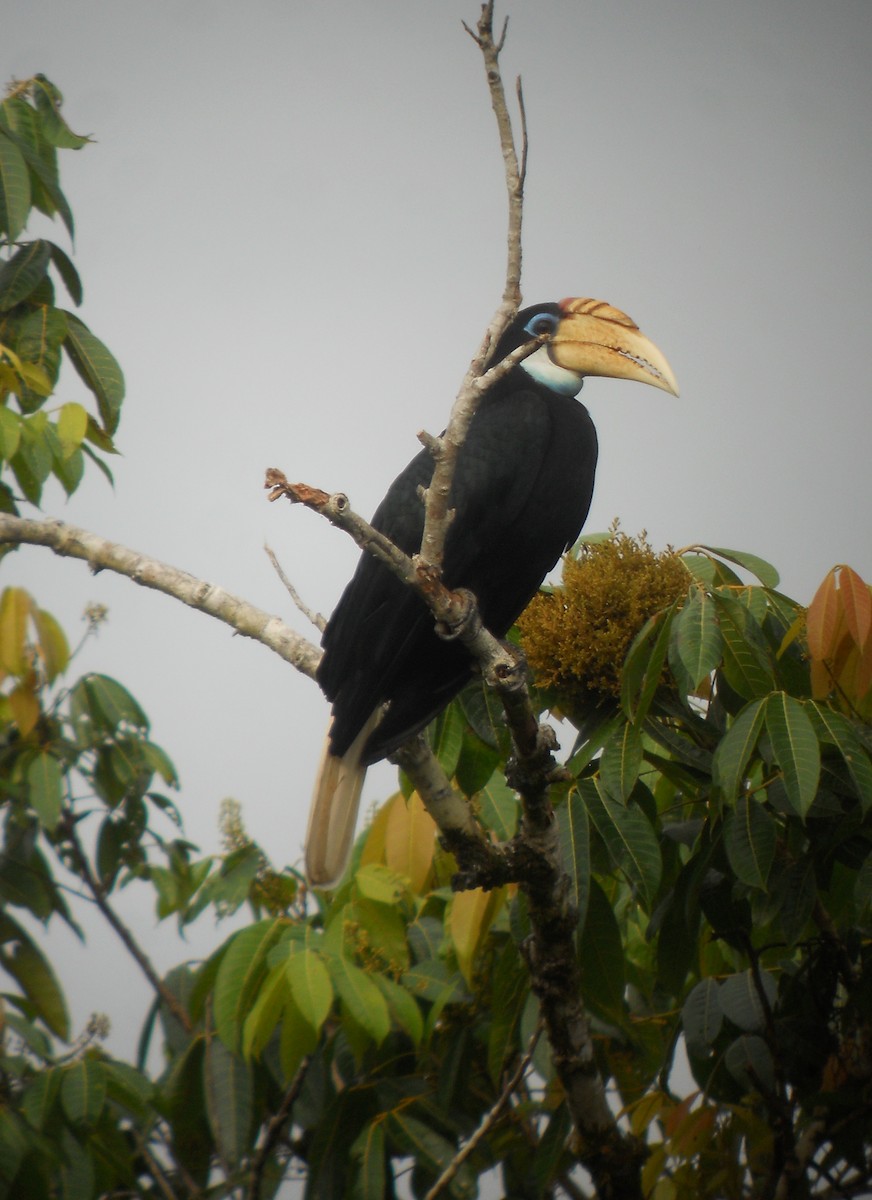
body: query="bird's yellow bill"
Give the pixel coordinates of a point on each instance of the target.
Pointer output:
(593, 338)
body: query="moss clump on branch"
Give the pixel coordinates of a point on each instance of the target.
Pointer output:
(577, 635)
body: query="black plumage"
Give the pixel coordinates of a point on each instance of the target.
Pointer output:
(522, 489)
(521, 492)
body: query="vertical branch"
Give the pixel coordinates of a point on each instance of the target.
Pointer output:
(437, 514)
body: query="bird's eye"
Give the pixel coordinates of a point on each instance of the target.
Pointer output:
(541, 325)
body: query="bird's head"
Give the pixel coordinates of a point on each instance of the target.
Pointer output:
(585, 337)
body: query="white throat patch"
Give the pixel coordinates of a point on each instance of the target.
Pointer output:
(557, 379)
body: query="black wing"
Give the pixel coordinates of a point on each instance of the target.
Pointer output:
(521, 492)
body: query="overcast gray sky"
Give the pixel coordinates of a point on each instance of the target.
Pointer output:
(290, 230)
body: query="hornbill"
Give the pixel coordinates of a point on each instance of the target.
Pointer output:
(521, 492)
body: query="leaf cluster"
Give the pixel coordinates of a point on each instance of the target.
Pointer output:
(35, 331)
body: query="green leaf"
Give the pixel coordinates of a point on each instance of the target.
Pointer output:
(228, 1088)
(14, 188)
(45, 789)
(39, 337)
(747, 664)
(601, 955)
(40, 1096)
(445, 735)
(106, 704)
(54, 129)
(360, 997)
(368, 1153)
(264, 1016)
(697, 635)
(310, 986)
(574, 833)
(643, 666)
(67, 272)
(499, 806)
(796, 749)
(735, 750)
(701, 1014)
(129, 1088)
(98, 369)
(509, 991)
(795, 896)
(764, 570)
(298, 1038)
(749, 1061)
(83, 1090)
(620, 762)
(631, 842)
(22, 959)
(742, 1002)
(21, 273)
(835, 728)
(402, 1005)
(749, 839)
(380, 884)
(239, 977)
(412, 1137)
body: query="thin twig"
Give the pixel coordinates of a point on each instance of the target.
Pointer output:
(314, 618)
(163, 1184)
(437, 514)
(273, 1131)
(488, 1120)
(96, 889)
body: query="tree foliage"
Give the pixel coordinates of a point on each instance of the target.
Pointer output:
(715, 817)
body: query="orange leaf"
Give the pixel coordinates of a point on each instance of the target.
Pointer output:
(857, 604)
(822, 617)
(694, 1133)
(864, 671)
(821, 680)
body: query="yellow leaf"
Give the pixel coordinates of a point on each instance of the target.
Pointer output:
(8, 352)
(15, 608)
(72, 427)
(52, 643)
(410, 841)
(374, 847)
(644, 1111)
(25, 708)
(470, 916)
(653, 1169)
(36, 379)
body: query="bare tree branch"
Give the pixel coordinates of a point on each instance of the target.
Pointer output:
(273, 1131)
(488, 1120)
(101, 554)
(437, 515)
(314, 618)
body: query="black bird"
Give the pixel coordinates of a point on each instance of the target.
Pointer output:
(522, 489)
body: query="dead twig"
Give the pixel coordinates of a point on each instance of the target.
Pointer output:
(314, 618)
